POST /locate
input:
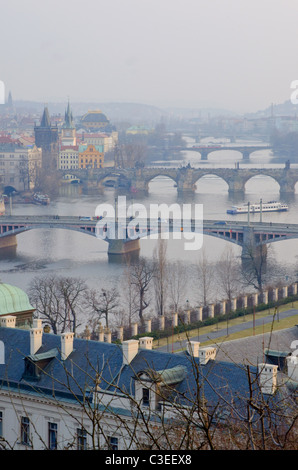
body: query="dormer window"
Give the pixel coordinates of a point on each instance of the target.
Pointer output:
(35, 364)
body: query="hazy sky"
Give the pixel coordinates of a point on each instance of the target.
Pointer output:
(236, 54)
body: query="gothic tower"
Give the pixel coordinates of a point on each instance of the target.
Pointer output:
(46, 138)
(68, 132)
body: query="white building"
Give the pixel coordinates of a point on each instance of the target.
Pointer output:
(61, 392)
(19, 165)
(68, 157)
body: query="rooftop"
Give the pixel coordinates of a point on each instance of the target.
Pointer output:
(13, 300)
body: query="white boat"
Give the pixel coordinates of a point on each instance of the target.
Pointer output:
(271, 206)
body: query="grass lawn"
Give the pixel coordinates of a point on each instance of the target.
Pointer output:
(278, 324)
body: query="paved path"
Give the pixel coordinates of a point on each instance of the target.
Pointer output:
(222, 330)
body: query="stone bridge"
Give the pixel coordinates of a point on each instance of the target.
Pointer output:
(186, 179)
(245, 150)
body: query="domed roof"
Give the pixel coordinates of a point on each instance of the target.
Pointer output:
(94, 116)
(13, 300)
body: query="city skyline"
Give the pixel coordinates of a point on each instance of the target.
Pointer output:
(166, 54)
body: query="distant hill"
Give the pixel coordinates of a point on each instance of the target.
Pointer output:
(134, 112)
(282, 109)
(118, 112)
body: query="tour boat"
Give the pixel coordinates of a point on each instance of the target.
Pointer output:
(271, 206)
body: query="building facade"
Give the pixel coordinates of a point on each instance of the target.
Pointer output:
(19, 166)
(91, 156)
(68, 157)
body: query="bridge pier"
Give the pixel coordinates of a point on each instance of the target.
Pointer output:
(204, 154)
(236, 185)
(287, 187)
(250, 249)
(245, 154)
(123, 248)
(8, 242)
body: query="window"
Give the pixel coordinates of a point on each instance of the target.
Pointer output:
(81, 439)
(145, 399)
(52, 436)
(1, 424)
(25, 431)
(113, 443)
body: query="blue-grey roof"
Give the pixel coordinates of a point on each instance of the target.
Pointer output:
(92, 358)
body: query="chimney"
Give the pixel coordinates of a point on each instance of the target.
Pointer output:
(37, 323)
(66, 345)
(130, 350)
(193, 348)
(35, 340)
(146, 342)
(205, 354)
(267, 378)
(9, 321)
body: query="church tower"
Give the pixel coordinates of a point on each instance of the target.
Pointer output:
(68, 132)
(46, 138)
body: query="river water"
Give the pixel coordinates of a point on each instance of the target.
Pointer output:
(49, 251)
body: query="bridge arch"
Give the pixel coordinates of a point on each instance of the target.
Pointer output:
(262, 175)
(161, 173)
(198, 177)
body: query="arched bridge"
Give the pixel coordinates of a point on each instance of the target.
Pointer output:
(241, 233)
(245, 150)
(186, 179)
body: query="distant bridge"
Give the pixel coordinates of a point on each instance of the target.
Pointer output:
(241, 233)
(245, 150)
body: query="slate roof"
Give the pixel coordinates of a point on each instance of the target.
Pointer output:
(89, 358)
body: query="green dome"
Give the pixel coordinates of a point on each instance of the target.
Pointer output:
(13, 300)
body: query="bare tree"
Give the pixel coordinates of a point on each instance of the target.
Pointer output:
(103, 304)
(129, 291)
(160, 276)
(59, 301)
(206, 275)
(177, 283)
(259, 267)
(228, 274)
(141, 279)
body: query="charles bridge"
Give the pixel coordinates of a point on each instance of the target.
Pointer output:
(186, 179)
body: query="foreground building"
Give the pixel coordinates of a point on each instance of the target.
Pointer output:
(61, 392)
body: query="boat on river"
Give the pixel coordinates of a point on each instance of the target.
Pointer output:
(43, 199)
(271, 206)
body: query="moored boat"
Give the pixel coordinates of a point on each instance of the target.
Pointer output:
(43, 199)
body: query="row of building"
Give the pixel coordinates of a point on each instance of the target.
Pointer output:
(53, 146)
